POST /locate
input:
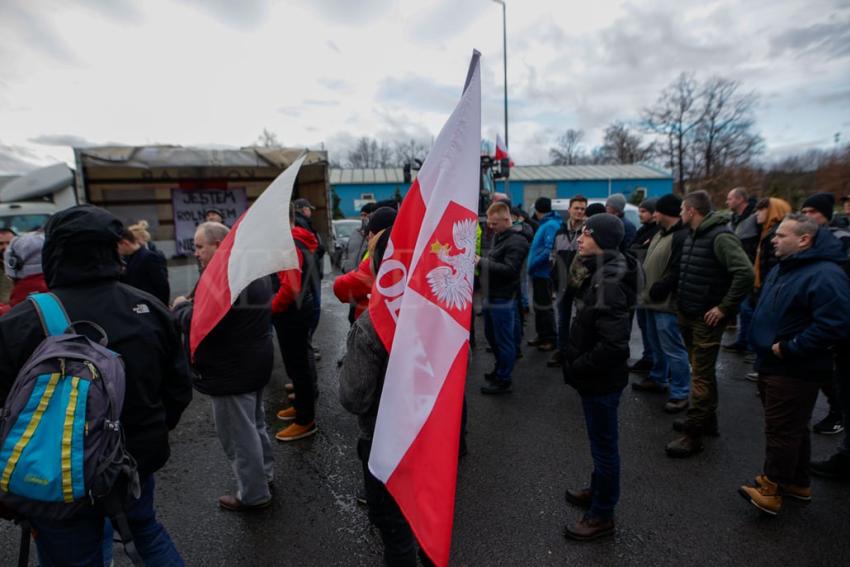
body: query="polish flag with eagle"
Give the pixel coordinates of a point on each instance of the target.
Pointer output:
(421, 307)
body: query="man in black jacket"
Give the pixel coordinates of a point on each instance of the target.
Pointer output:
(145, 270)
(500, 272)
(596, 365)
(232, 365)
(82, 267)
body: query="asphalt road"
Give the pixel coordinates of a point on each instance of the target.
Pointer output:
(524, 450)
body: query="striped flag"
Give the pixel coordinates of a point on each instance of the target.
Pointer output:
(421, 307)
(259, 244)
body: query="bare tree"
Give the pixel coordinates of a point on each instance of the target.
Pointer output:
(725, 136)
(409, 151)
(268, 139)
(369, 154)
(674, 117)
(569, 150)
(621, 145)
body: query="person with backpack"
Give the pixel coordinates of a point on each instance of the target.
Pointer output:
(82, 270)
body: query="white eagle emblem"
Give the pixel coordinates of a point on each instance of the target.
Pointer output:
(452, 284)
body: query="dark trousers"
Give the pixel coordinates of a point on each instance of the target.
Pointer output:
(703, 344)
(500, 330)
(293, 338)
(384, 513)
(79, 540)
(544, 314)
(788, 404)
(600, 417)
(565, 314)
(842, 384)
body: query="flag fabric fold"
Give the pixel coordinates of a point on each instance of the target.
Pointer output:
(421, 307)
(260, 243)
(502, 151)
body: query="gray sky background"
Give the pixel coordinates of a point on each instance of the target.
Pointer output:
(216, 72)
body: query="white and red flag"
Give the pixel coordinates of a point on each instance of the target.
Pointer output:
(502, 151)
(421, 307)
(260, 243)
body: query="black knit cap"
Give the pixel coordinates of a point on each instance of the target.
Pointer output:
(382, 218)
(594, 209)
(606, 230)
(543, 205)
(669, 205)
(824, 203)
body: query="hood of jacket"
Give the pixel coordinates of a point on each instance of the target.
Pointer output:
(825, 248)
(711, 220)
(81, 246)
(306, 238)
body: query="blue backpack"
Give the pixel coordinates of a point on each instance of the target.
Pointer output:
(61, 443)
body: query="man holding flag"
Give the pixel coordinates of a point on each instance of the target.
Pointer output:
(419, 313)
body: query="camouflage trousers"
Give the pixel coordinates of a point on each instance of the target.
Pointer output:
(703, 344)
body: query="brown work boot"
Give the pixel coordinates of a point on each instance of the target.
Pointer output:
(588, 529)
(796, 491)
(581, 498)
(296, 431)
(287, 414)
(763, 494)
(683, 447)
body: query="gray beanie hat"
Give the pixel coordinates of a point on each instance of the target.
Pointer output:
(606, 230)
(617, 202)
(23, 256)
(649, 205)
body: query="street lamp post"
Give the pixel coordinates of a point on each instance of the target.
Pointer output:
(505, 62)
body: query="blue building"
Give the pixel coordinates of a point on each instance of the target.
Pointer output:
(355, 187)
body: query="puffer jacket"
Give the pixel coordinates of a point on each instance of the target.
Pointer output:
(541, 246)
(596, 358)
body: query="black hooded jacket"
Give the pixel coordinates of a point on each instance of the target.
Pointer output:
(82, 266)
(598, 351)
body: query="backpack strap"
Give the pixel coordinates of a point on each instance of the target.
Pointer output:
(51, 312)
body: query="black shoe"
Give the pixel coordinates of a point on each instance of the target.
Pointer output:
(837, 467)
(642, 366)
(736, 347)
(684, 447)
(496, 388)
(360, 498)
(679, 425)
(555, 360)
(832, 424)
(649, 385)
(675, 406)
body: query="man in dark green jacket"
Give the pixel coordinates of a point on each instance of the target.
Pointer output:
(714, 276)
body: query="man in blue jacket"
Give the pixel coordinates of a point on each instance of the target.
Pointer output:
(539, 269)
(801, 314)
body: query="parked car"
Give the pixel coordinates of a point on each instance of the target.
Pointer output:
(25, 217)
(342, 230)
(563, 205)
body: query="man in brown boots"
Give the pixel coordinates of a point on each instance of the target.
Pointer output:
(801, 314)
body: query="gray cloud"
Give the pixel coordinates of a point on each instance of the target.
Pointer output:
(347, 12)
(831, 40)
(244, 15)
(22, 20)
(15, 160)
(413, 91)
(335, 85)
(332, 46)
(61, 140)
(841, 97)
(448, 19)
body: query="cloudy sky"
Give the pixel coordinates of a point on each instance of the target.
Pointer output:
(217, 72)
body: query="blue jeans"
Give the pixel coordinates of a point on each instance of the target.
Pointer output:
(648, 349)
(671, 365)
(78, 542)
(600, 416)
(565, 314)
(519, 321)
(500, 330)
(744, 318)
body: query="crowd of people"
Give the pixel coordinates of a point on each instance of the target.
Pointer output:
(686, 274)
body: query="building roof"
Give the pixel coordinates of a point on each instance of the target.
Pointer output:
(147, 157)
(518, 173)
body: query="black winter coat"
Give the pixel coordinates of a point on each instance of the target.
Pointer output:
(598, 350)
(84, 275)
(500, 270)
(238, 354)
(147, 270)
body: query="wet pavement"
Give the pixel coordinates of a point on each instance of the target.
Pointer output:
(524, 450)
